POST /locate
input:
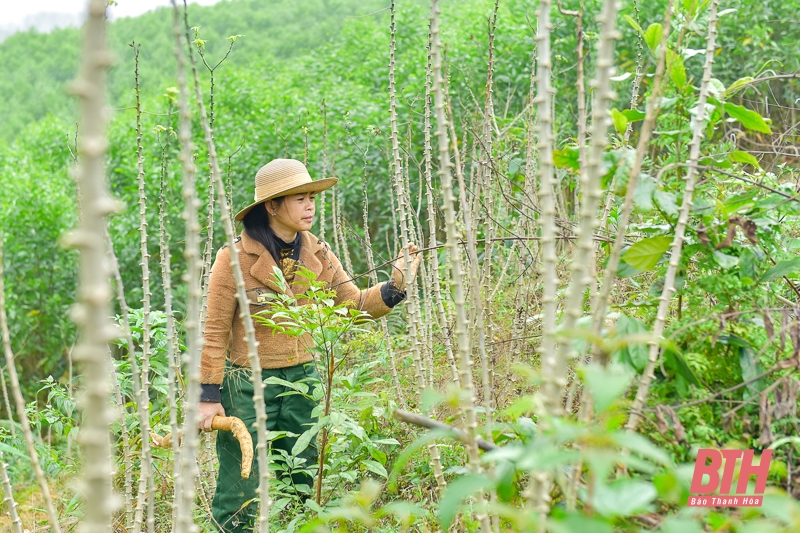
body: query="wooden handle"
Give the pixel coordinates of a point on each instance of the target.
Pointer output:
(221, 423)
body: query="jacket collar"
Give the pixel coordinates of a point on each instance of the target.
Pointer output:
(311, 249)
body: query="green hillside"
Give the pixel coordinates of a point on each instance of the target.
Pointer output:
(37, 68)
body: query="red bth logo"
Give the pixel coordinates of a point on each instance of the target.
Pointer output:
(716, 490)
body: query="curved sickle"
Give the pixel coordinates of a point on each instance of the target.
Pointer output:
(221, 423)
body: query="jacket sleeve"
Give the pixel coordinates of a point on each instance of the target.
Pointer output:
(219, 320)
(369, 300)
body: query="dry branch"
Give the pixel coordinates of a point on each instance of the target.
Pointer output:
(429, 423)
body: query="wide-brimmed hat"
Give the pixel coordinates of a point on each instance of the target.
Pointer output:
(281, 177)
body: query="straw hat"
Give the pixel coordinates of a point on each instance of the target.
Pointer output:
(281, 177)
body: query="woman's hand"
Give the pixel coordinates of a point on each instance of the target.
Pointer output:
(207, 411)
(399, 267)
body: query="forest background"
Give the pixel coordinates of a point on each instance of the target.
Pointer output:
(309, 80)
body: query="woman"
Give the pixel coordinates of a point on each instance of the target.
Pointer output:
(276, 233)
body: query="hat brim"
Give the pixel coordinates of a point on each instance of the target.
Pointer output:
(314, 186)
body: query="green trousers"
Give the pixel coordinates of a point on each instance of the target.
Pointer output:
(234, 507)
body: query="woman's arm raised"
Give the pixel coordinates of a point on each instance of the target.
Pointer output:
(379, 299)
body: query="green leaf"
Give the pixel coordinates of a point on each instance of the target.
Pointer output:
(725, 261)
(676, 362)
(747, 264)
(739, 85)
(749, 118)
(431, 398)
(606, 383)
(620, 121)
(303, 441)
(375, 467)
(634, 115)
(676, 69)
(302, 388)
(634, 355)
(567, 158)
(653, 36)
(624, 270)
(577, 522)
(738, 156)
(781, 269)
(667, 202)
(633, 23)
(643, 194)
(645, 254)
(623, 497)
(456, 492)
(750, 369)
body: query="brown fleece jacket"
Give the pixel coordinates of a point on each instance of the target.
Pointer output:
(224, 333)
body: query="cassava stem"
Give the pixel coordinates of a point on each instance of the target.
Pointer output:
(602, 300)
(411, 287)
(93, 310)
(457, 276)
(680, 227)
(185, 488)
(8, 498)
(244, 308)
(146, 485)
(582, 274)
(19, 404)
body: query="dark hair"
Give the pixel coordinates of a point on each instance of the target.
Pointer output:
(256, 223)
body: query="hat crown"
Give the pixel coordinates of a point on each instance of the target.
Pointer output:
(280, 175)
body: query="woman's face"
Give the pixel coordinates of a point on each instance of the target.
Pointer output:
(294, 214)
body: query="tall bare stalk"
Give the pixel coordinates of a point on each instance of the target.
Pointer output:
(324, 112)
(19, 404)
(141, 407)
(457, 275)
(478, 282)
(444, 323)
(601, 302)
(680, 227)
(127, 462)
(373, 277)
(93, 309)
(241, 297)
(7, 403)
(538, 492)
(637, 81)
(338, 227)
(185, 488)
(411, 287)
(553, 381)
(173, 371)
(146, 485)
(582, 274)
(8, 498)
